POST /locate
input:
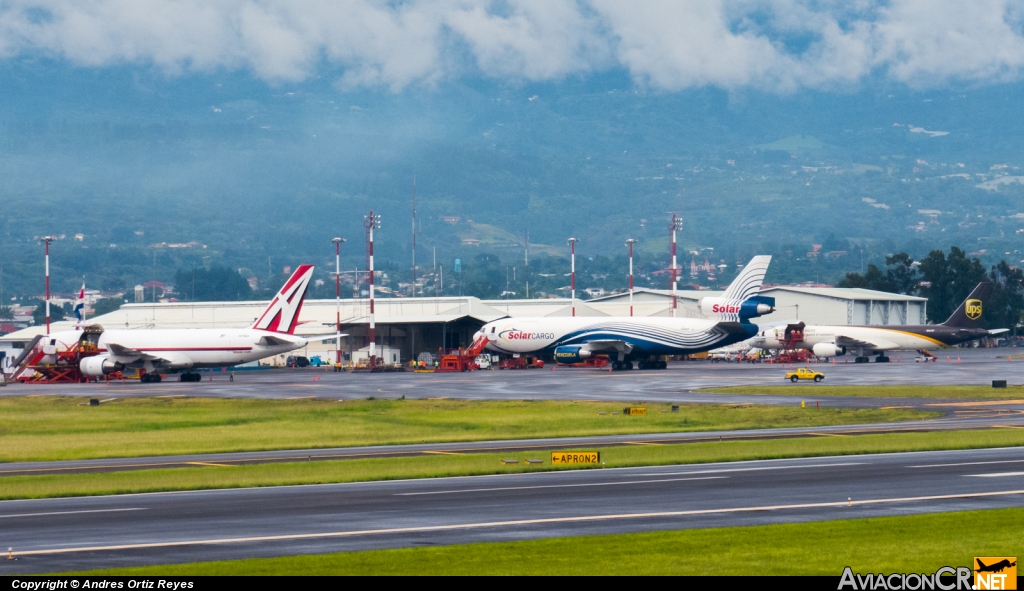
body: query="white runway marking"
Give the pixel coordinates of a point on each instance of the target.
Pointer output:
(473, 490)
(996, 474)
(491, 524)
(970, 464)
(752, 469)
(72, 512)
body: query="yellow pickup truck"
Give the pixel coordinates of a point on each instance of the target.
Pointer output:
(804, 374)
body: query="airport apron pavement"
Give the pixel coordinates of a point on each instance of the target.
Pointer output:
(676, 384)
(95, 532)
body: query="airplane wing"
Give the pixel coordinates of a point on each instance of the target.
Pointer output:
(124, 354)
(852, 343)
(129, 356)
(322, 337)
(608, 346)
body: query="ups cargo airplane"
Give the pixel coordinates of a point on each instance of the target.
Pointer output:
(629, 339)
(832, 341)
(180, 350)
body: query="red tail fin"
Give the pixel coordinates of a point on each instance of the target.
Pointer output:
(282, 315)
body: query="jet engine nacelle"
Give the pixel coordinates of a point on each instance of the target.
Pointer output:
(569, 354)
(98, 366)
(828, 350)
(749, 308)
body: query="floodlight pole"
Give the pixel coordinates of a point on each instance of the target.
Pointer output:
(630, 242)
(337, 294)
(572, 244)
(371, 222)
(47, 240)
(677, 224)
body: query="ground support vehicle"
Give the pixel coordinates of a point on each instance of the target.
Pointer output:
(804, 374)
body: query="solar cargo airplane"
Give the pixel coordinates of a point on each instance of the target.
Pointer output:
(181, 350)
(628, 339)
(832, 341)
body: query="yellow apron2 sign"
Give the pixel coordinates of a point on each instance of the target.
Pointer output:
(575, 457)
(635, 411)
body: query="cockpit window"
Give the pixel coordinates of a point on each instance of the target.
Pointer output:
(492, 329)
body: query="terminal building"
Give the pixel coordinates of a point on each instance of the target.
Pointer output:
(406, 327)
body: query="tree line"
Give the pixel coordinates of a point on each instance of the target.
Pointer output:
(946, 280)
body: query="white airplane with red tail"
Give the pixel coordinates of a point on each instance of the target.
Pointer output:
(181, 350)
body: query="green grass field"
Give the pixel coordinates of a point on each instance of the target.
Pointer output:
(428, 466)
(809, 390)
(53, 428)
(916, 543)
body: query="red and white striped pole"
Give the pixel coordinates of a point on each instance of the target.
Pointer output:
(630, 242)
(337, 294)
(371, 223)
(677, 224)
(47, 240)
(572, 244)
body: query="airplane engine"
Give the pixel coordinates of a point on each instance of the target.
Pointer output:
(749, 308)
(828, 350)
(571, 354)
(98, 366)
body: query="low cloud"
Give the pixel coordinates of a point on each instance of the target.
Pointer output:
(777, 45)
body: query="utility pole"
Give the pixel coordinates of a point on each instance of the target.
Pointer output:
(527, 251)
(371, 223)
(47, 240)
(337, 295)
(413, 235)
(677, 225)
(572, 244)
(630, 242)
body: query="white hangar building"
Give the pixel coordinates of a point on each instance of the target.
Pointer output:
(410, 326)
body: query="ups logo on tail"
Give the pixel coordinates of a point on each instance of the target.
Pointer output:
(973, 309)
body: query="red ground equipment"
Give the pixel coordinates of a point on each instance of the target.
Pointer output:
(64, 368)
(463, 359)
(521, 363)
(791, 352)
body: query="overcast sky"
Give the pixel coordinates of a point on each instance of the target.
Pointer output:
(775, 45)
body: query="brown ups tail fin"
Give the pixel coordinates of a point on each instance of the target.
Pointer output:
(972, 310)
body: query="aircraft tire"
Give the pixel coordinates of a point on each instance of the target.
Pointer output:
(628, 365)
(641, 365)
(144, 378)
(861, 360)
(881, 359)
(662, 365)
(156, 378)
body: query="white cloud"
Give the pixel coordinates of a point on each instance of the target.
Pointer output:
(669, 44)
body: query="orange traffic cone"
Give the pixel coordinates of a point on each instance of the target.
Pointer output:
(958, 360)
(947, 357)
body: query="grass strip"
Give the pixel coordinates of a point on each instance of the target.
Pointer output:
(914, 543)
(55, 428)
(431, 466)
(810, 390)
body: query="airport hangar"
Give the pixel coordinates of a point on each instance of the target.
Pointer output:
(409, 326)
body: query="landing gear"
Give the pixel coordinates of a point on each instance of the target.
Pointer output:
(150, 378)
(881, 359)
(862, 360)
(622, 365)
(189, 377)
(627, 365)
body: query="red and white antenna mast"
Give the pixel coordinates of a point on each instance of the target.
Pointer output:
(572, 244)
(630, 242)
(413, 235)
(371, 223)
(337, 294)
(677, 225)
(47, 240)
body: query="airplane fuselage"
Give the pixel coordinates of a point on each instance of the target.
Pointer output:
(883, 338)
(190, 348)
(647, 335)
